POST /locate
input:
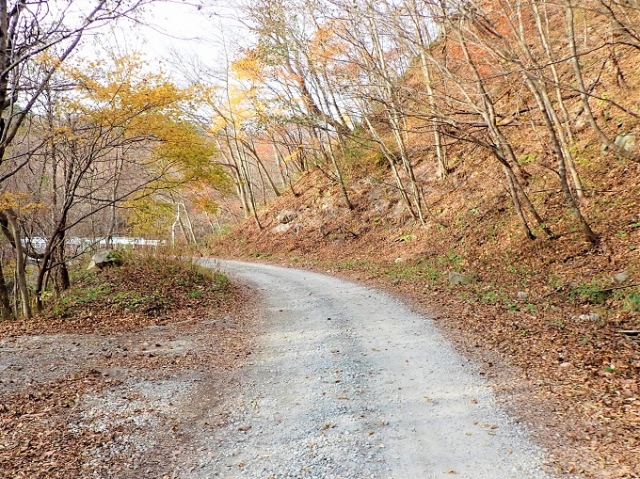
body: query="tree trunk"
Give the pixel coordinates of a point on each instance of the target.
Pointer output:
(62, 272)
(563, 123)
(517, 205)
(21, 274)
(5, 302)
(392, 165)
(523, 194)
(189, 224)
(328, 153)
(561, 163)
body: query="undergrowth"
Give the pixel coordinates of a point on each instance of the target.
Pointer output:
(149, 285)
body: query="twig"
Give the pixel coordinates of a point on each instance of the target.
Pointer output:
(629, 332)
(619, 287)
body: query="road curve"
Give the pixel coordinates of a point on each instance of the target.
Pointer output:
(347, 382)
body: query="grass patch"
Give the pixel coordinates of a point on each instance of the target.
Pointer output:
(146, 285)
(592, 293)
(421, 271)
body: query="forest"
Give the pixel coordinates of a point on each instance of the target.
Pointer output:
(412, 89)
(402, 93)
(477, 158)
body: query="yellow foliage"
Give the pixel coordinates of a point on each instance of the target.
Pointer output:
(324, 46)
(148, 217)
(248, 67)
(18, 202)
(119, 102)
(206, 204)
(124, 96)
(130, 103)
(183, 145)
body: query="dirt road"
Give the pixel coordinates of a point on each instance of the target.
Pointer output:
(347, 382)
(342, 382)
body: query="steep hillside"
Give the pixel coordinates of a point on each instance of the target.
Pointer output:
(552, 307)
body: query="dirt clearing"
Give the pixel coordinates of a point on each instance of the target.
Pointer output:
(126, 397)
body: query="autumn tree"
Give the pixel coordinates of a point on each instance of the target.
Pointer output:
(113, 136)
(378, 63)
(505, 38)
(518, 80)
(29, 32)
(290, 55)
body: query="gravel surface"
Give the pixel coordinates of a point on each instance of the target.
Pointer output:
(347, 382)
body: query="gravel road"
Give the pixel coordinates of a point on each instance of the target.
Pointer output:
(347, 382)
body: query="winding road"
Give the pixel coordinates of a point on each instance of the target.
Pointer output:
(347, 382)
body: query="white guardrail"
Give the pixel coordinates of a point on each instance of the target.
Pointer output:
(39, 243)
